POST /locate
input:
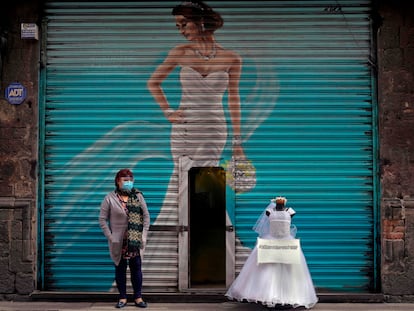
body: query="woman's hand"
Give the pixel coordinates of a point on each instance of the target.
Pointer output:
(176, 116)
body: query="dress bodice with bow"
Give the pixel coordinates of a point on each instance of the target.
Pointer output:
(279, 224)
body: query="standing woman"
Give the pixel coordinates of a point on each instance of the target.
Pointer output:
(207, 70)
(124, 220)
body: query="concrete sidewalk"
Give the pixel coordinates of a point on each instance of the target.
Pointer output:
(220, 306)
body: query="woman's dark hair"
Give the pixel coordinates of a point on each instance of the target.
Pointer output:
(199, 13)
(123, 173)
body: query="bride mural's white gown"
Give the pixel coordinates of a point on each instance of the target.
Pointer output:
(274, 283)
(202, 133)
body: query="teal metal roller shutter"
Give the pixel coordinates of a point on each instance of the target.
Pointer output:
(96, 122)
(308, 127)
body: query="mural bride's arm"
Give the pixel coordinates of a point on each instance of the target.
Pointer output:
(234, 104)
(156, 79)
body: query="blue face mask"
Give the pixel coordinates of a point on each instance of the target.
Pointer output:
(127, 185)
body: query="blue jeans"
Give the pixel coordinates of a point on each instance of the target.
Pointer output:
(136, 276)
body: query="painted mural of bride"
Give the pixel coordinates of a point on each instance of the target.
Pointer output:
(207, 70)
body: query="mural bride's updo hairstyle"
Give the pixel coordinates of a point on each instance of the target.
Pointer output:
(201, 14)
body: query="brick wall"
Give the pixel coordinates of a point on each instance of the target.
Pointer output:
(396, 132)
(18, 151)
(16, 247)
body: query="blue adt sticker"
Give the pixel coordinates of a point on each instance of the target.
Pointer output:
(15, 93)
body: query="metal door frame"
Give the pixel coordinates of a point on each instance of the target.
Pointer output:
(185, 164)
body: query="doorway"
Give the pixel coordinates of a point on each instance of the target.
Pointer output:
(207, 227)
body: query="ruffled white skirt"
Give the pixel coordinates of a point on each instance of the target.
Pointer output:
(274, 284)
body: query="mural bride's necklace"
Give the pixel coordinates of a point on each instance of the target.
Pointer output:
(209, 56)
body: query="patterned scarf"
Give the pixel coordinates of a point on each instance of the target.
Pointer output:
(135, 223)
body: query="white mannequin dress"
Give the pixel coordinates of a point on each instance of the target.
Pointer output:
(274, 283)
